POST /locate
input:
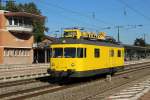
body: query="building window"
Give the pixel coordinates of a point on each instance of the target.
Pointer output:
(20, 52)
(28, 52)
(97, 53)
(23, 52)
(9, 52)
(20, 22)
(16, 21)
(6, 52)
(16, 52)
(10, 21)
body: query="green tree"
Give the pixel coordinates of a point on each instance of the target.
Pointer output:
(1, 5)
(39, 28)
(139, 42)
(11, 6)
(31, 8)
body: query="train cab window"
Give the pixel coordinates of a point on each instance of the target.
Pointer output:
(96, 53)
(112, 53)
(58, 52)
(119, 53)
(70, 52)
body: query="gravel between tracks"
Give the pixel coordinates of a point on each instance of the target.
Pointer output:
(9, 89)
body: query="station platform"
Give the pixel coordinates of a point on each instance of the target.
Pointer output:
(22, 71)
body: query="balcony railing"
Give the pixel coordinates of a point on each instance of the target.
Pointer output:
(15, 28)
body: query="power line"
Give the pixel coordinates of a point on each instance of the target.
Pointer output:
(71, 19)
(95, 27)
(76, 12)
(135, 10)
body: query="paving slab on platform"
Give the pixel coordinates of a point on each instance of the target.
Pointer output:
(146, 96)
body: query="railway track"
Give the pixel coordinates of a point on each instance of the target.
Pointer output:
(51, 88)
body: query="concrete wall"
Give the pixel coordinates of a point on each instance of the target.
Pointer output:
(2, 21)
(16, 39)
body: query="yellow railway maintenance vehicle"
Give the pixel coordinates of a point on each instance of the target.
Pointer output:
(83, 58)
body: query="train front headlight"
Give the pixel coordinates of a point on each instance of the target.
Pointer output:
(52, 64)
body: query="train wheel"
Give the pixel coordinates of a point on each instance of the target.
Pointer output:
(113, 71)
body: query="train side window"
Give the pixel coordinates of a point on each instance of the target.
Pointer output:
(97, 53)
(80, 52)
(119, 53)
(85, 52)
(111, 53)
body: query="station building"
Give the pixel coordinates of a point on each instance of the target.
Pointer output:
(42, 50)
(16, 37)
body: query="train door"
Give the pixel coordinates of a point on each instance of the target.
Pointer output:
(111, 57)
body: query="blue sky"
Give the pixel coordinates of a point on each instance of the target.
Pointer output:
(96, 15)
